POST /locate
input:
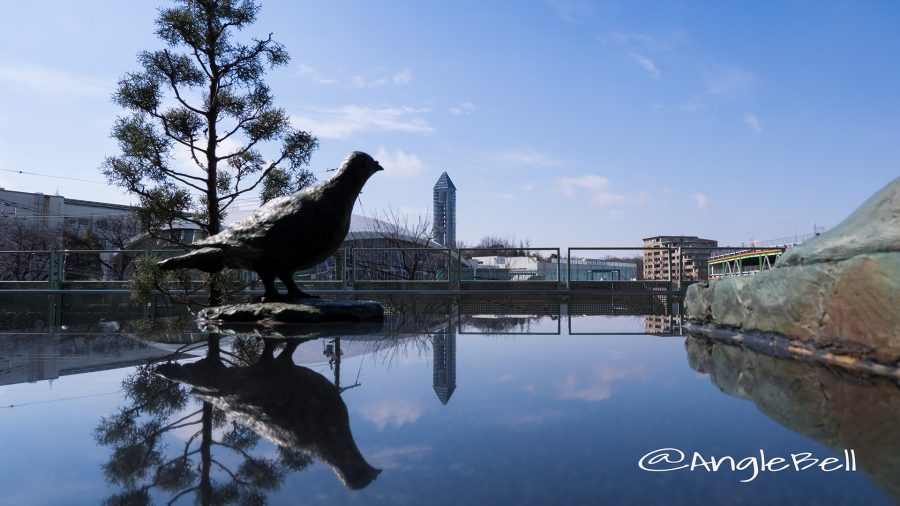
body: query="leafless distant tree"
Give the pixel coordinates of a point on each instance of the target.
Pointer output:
(21, 238)
(409, 253)
(503, 246)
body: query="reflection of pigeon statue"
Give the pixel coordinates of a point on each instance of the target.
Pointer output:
(289, 405)
(287, 233)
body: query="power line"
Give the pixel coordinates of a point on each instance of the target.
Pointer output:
(58, 400)
(52, 176)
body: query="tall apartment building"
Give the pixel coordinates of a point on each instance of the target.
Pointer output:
(695, 253)
(444, 223)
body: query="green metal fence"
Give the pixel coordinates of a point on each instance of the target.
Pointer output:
(501, 269)
(508, 268)
(401, 268)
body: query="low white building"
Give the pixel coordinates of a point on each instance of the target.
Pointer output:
(54, 209)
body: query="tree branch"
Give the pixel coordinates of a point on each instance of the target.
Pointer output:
(238, 127)
(233, 477)
(262, 176)
(172, 83)
(185, 491)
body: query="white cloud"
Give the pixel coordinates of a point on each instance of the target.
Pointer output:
(505, 196)
(527, 157)
(598, 385)
(646, 64)
(463, 108)
(402, 77)
(399, 457)
(694, 104)
(399, 78)
(700, 200)
(39, 80)
(730, 82)
(570, 11)
(753, 122)
(640, 42)
(529, 187)
(399, 163)
(395, 412)
(307, 71)
(338, 123)
(595, 187)
(638, 46)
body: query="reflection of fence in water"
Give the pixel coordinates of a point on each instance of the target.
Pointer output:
(622, 305)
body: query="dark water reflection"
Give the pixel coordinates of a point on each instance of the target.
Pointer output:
(449, 401)
(837, 409)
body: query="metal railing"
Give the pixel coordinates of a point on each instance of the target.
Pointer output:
(622, 269)
(401, 268)
(508, 268)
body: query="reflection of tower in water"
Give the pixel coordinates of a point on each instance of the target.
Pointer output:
(444, 379)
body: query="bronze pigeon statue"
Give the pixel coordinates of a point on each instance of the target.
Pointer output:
(287, 233)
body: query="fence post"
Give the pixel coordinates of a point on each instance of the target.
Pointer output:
(352, 279)
(54, 315)
(54, 270)
(449, 269)
(559, 268)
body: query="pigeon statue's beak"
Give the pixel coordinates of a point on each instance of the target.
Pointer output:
(378, 167)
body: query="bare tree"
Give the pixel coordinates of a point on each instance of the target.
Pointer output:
(21, 238)
(408, 250)
(504, 246)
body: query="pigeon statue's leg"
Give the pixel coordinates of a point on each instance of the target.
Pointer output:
(271, 294)
(293, 291)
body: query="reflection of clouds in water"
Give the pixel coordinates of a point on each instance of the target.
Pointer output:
(529, 420)
(401, 457)
(598, 384)
(396, 412)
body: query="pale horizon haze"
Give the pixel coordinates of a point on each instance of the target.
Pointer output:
(563, 122)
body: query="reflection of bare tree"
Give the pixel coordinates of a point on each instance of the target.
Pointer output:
(508, 314)
(502, 323)
(244, 394)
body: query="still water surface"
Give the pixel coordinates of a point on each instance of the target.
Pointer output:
(449, 402)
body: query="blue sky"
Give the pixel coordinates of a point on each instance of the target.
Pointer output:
(565, 122)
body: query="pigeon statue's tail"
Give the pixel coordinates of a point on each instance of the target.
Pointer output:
(204, 259)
